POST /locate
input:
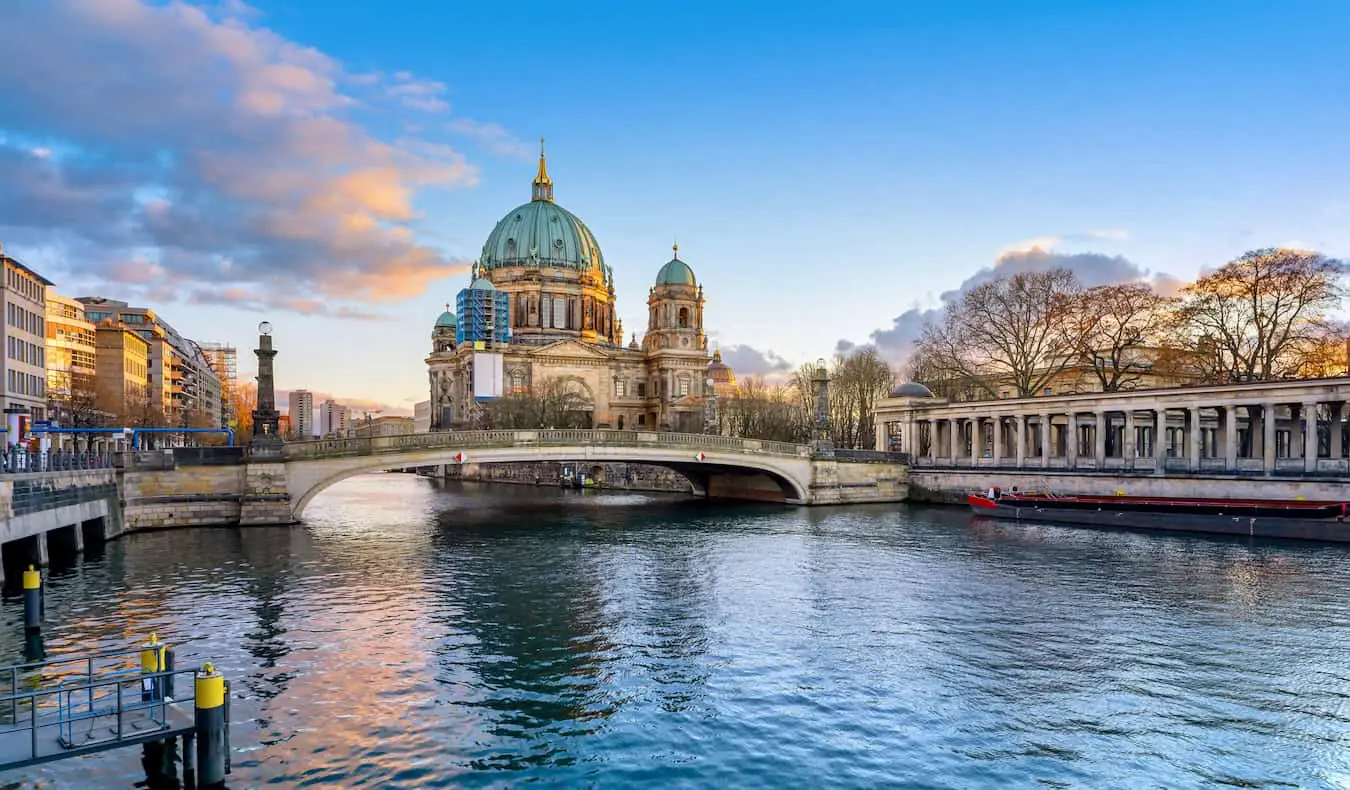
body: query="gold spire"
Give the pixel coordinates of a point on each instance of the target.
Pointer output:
(543, 185)
(676, 248)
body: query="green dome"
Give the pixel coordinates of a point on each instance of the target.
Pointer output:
(447, 319)
(543, 234)
(676, 272)
(481, 284)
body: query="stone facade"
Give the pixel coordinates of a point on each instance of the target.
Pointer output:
(564, 328)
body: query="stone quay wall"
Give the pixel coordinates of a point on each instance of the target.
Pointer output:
(950, 486)
(621, 476)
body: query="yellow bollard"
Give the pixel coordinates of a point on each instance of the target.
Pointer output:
(32, 599)
(211, 727)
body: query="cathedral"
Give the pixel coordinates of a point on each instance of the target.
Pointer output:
(543, 269)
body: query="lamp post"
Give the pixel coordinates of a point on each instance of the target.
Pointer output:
(266, 418)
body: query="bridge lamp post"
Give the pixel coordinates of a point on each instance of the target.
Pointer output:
(820, 403)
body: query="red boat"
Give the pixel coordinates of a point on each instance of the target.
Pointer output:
(1273, 518)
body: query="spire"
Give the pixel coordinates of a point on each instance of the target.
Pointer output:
(543, 185)
(676, 249)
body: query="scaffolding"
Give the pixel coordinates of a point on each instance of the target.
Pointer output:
(483, 316)
(224, 361)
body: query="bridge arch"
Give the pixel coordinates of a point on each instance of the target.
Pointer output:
(743, 468)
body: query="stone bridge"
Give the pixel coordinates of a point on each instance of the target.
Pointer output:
(276, 489)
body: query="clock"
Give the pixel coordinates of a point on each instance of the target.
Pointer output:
(265, 328)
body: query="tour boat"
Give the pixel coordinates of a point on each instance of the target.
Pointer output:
(1269, 518)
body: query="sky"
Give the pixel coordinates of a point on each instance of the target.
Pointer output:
(832, 171)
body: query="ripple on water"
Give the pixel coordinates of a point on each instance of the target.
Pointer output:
(424, 635)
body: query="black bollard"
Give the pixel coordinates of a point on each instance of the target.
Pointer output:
(212, 746)
(32, 599)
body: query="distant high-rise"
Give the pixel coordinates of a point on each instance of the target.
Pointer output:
(302, 415)
(333, 419)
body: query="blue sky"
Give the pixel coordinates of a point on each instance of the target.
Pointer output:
(826, 168)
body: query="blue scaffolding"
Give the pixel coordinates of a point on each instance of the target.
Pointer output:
(482, 315)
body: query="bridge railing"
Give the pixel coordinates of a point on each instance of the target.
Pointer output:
(330, 448)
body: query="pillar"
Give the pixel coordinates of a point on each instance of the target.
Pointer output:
(1268, 437)
(1159, 440)
(1020, 426)
(1071, 443)
(1193, 436)
(1127, 448)
(1309, 437)
(954, 438)
(976, 439)
(1099, 438)
(1335, 429)
(1045, 440)
(998, 439)
(1230, 440)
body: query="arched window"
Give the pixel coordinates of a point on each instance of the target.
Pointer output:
(684, 318)
(517, 382)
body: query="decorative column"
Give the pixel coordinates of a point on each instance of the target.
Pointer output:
(266, 418)
(1071, 442)
(954, 439)
(976, 439)
(1268, 437)
(1099, 438)
(1309, 437)
(1021, 427)
(1334, 428)
(998, 439)
(820, 423)
(1193, 434)
(1127, 449)
(1160, 441)
(1045, 439)
(1230, 438)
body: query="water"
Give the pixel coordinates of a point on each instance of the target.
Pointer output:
(413, 635)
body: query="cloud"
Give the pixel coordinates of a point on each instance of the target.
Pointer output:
(214, 150)
(1052, 242)
(492, 137)
(1092, 268)
(748, 361)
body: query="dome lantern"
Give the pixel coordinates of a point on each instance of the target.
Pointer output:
(543, 185)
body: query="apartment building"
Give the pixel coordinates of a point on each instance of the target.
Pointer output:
(25, 382)
(334, 419)
(301, 413)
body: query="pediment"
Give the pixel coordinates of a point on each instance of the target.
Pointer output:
(570, 348)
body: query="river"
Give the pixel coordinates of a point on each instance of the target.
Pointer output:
(417, 634)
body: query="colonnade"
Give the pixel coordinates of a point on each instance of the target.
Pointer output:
(1164, 431)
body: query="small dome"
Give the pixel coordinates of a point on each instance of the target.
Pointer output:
(447, 319)
(482, 284)
(676, 272)
(912, 389)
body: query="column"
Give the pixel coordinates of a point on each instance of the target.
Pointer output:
(1309, 437)
(1020, 425)
(1268, 437)
(1127, 446)
(1230, 438)
(1045, 440)
(1160, 440)
(1099, 438)
(998, 440)
(1071, 443)
(1335, 428)
(954, 439)
(976, 439)
(1193, 437)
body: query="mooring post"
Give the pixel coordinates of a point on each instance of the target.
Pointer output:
(152, 661)
(212, 744)
(32, 599)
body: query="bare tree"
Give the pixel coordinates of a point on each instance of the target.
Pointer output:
(551, 403)
(75, 401)
(764, 411)
(1114, 327)
(857, 381)
(1256, 314)
(1011, 329)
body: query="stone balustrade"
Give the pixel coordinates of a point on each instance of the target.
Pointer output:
(1295, 428)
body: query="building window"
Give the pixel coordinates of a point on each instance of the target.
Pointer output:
(682, 386)
(1048, 391)
(517, 382)
(642, 420)
(641, 393)
(620, 388)
(684, 318)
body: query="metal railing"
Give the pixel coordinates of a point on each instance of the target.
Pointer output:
(329, 448)
(845, 454)
(18, 460)
(97, 701)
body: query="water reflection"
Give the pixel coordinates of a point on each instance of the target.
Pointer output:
(416, 634)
